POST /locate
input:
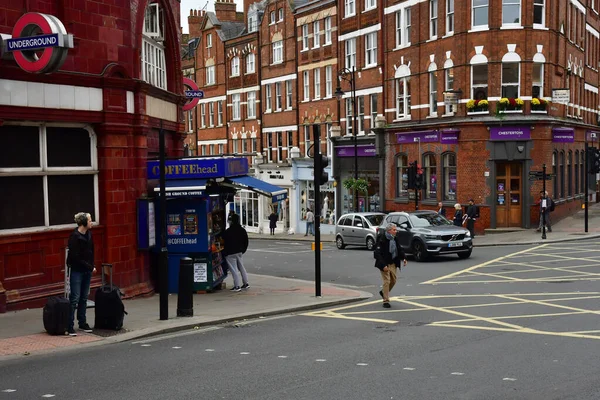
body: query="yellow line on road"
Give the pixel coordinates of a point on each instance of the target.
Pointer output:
(499, 275)
(516, 317)
(530, 301)
(562, 334)
(481, 265)
(342, 316)
(566, 258)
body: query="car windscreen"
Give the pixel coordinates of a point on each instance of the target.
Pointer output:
(426, 220)
(375, 220)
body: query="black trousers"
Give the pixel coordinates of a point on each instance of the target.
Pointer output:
(471, 226)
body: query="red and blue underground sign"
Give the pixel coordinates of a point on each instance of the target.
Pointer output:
(192, 93)
(39, 43)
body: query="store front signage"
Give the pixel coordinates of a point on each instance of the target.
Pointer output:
(199, 168)
(563, 135)
(365, 150)
(449, 136)
(39, 43)
(422, 136)
(592, 136)
(510, 133)
(193, 94)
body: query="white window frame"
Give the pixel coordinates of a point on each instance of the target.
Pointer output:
(370, 4)
(251, 105)
(235, 145)
(288, 95)
(235, 107)
(153, 22)
(278, 52)
(280, 15)
(350, 53)
(307, 140)
(507, 84)
(220, 113)
(361, 114)
(210, 75)
(511, 3)
(433, 19)
(305, 37)
(250, 63)
(202, 115)
(153, 63)
(211, 114)
(268, 95)
(272, 17)
(349, 117)
(480, 85)
(278, 97)
(539, 84)
(209, 40)
(221, 148)
(316, 34)
(306, 84)
(328, 81)
(433, 93)
(449, 17)
(317, 82)
(373, 108)
(541, 5)
(403, 21)
(371, 49)
(252, 23)
(279, 143)
(403, 99)
(449, 85)
(349, 8)
(327, 31)
(478, 6)
(235, 66)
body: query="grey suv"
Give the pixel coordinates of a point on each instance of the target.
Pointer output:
(426, 233)
(358, 229)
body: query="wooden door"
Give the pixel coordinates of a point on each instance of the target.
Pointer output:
(509, 195)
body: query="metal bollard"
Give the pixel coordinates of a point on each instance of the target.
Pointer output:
(185, 304)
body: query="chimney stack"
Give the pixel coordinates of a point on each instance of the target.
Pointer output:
(194, 21)
(225, 10)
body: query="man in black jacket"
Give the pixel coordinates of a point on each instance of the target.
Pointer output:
(388, 258)
(81, 261)
(235, 241)
(472, 214)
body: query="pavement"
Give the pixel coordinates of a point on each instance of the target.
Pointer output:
(22, 332)
(568, 229)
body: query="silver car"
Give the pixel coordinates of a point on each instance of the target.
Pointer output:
(358, 229)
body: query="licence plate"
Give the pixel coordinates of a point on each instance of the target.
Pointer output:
(455, 244)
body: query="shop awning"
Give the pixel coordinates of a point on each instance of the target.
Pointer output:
(184, 187)
(256, 185)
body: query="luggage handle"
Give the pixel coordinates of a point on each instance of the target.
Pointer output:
(109, 267)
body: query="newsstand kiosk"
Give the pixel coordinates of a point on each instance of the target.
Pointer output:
(197, 190)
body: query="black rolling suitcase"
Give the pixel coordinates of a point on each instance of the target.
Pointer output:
(110, 311)
(56, 315)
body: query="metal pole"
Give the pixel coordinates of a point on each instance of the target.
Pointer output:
(587, 183)
(317, 184)
(355, 131)
(546, 199)
(416, 190)
(163, 261)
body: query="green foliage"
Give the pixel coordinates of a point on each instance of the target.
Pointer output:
(358, 185)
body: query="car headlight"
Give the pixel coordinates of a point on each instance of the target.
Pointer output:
(433, 237)
(468, 234)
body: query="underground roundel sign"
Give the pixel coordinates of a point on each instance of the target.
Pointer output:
(192, 93)
(39, 43)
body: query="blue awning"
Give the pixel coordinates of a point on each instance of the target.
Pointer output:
(184, 187)
(256, 185)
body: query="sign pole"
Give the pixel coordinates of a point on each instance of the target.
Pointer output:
(163, 261)
(317, 213)
(545, 198)
(587, 183)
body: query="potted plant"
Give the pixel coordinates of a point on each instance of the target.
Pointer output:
(477, 105)
(538, 104)
(356, 185)
(510, 104)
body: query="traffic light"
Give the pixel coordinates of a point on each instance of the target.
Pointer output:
(419, 181)
(320, 173)
(595, 161)
(412, 176)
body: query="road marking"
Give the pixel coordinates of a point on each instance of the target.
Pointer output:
(408, 369)
(320, 360)
(457, 373)
(146, 345)
(282, 356)
(179, 334)
(244, 353)
(362, 364)
(209, 350)
(9, 390)
(49, 395)
(176, 347)
(509, 379)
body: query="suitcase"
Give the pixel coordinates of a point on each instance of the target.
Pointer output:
(110, 311)
(56, 315)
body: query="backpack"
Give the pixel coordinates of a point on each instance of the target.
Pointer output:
(552, 205)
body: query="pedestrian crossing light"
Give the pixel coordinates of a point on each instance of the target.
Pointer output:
(321, 174)
(595, 161)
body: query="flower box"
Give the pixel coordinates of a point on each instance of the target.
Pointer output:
(477, 106)
(538, 104)
(510, 105)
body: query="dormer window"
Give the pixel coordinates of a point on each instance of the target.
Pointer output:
(154, 69)
(252, 23)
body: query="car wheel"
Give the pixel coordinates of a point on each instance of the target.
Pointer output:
(464, 255)
(419, 251)
(370, 243)
(339, 242)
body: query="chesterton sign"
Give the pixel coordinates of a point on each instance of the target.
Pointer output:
(202, 168)
(39, 43)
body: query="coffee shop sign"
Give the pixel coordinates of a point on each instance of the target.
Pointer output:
(39, 43)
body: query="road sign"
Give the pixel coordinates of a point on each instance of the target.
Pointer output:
(194, 94)
(540, 177)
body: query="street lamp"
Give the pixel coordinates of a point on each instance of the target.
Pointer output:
(349, 75)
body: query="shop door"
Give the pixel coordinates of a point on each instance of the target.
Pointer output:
(509, 197)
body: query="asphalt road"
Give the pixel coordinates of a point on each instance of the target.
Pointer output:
(515, 322)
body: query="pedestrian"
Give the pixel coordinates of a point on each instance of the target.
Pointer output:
(441, 209)
(471, 216)
(458, 215)
(545, 211)
(310, 223)
(235, 240)
(273, 222)
(81, 262)
(389, 257)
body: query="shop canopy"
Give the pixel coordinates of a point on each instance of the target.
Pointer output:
(190, 177)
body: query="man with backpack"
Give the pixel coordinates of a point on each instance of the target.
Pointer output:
(235, 239)
(546, 207)
(389, 257)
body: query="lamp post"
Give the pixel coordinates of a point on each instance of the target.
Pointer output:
(349, 75)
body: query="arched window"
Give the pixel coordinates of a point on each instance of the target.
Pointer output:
(430, 176)
(511, 69)
(570, 173)
(401, 175)
(561, 168)
(576, 176)
(402, 77)
(449, 174)
(433, 89)
(555, 173)
(153, 50)
(479, 77)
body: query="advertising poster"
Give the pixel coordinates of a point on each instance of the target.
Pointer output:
(174, 224)
(200, 272)
(190, 224)
(453, 183)
(433, 184)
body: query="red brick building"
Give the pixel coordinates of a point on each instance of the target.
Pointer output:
(78, 140)
(505, 58)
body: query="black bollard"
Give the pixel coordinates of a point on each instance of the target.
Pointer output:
(185, 304)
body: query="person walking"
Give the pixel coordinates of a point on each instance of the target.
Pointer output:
(471, 215)
(458, 215)
(273, 222)
(235, 240)
(310, 223)
(441, 209)
(389, 257)
(546, 206)
(81, 262)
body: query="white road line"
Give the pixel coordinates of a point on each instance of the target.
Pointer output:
(176, 347)
(408, 369)
(9, 390)
(49, 395)
(146, 345)
(362, 364)
(509, 379)
(457, 373)
(179, 334)
(209, 350)
(282, 356)
(320, 360)
(244, 353)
